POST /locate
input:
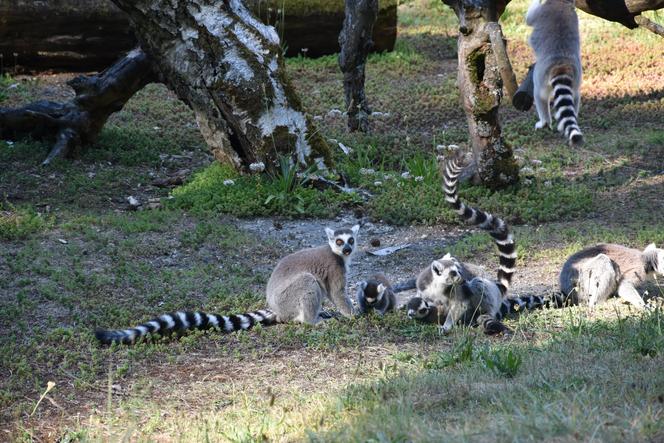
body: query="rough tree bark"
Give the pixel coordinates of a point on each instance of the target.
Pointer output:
(78, 122)
(355, 41)
(226, 65)
(480, 86)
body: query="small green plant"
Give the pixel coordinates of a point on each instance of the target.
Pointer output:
(502, 362)
(286, 185)
(648, 338)
(17, 223)
(463, 351)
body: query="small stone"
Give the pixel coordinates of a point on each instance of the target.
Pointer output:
(419, 178)
(536, 162)
(406, 175)
(229, 182)
(374, 242)
(257, 167)
(133, 202)
(63, 241)
(378, 183)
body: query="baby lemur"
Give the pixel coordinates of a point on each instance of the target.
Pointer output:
(375, 293)
(295, 292)
(594, 274)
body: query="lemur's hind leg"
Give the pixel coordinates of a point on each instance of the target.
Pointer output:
(628, 293)
(598, 280)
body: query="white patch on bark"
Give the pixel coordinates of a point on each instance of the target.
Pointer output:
(268, 32)
(213, 18)
(188, 33)
(238, 69)
(280, 113)
(250, 41)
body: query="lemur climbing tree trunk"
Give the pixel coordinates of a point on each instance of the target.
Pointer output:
(222, 62)
(480, 86)
(355, 41)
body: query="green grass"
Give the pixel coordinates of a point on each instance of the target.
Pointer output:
(256, 195)
(20, 223)
(564, 375)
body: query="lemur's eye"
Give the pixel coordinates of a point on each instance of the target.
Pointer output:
(351, 241)
(423, 310)
(453, 273)
(339, 242)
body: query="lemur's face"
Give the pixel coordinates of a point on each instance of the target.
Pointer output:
(373, 292)
(342, 241)
(418, 308)
(446, 271)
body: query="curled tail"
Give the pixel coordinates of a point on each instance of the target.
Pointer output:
(496, 226)
(564, 109)
(182, 321)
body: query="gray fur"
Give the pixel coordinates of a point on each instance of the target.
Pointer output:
(556, 43)
(421, 310)
(376, 293)
(594, 274)
(456, 288)
(302, 280)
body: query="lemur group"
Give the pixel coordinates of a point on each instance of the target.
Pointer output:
(449, 292)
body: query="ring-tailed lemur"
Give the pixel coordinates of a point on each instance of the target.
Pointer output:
(295, 292)
(594, 274)
(375, 293)
(557, 75)
(496, 227)
(465, 296)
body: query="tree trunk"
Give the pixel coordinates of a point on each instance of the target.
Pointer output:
(89, 35)
(480, 88)
(227, 66)
(220, 60)
(355, 41)
(78, 122)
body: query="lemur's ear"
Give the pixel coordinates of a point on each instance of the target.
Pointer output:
(437, 267)
(447, 256)
(355, 229)
(363, 285)
(330, 234)
(650, 247)
(381, 288)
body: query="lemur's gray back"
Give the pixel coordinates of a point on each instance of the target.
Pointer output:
(555, 17)
(630, 262)
(287, 287)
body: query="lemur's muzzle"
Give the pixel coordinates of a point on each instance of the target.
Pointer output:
(347, 250)
(411, 313)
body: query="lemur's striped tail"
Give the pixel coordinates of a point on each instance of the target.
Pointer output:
(515, 305)
(181, 321)
(564, 110)
(496, 226)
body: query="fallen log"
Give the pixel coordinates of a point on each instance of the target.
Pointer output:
(88, 35)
